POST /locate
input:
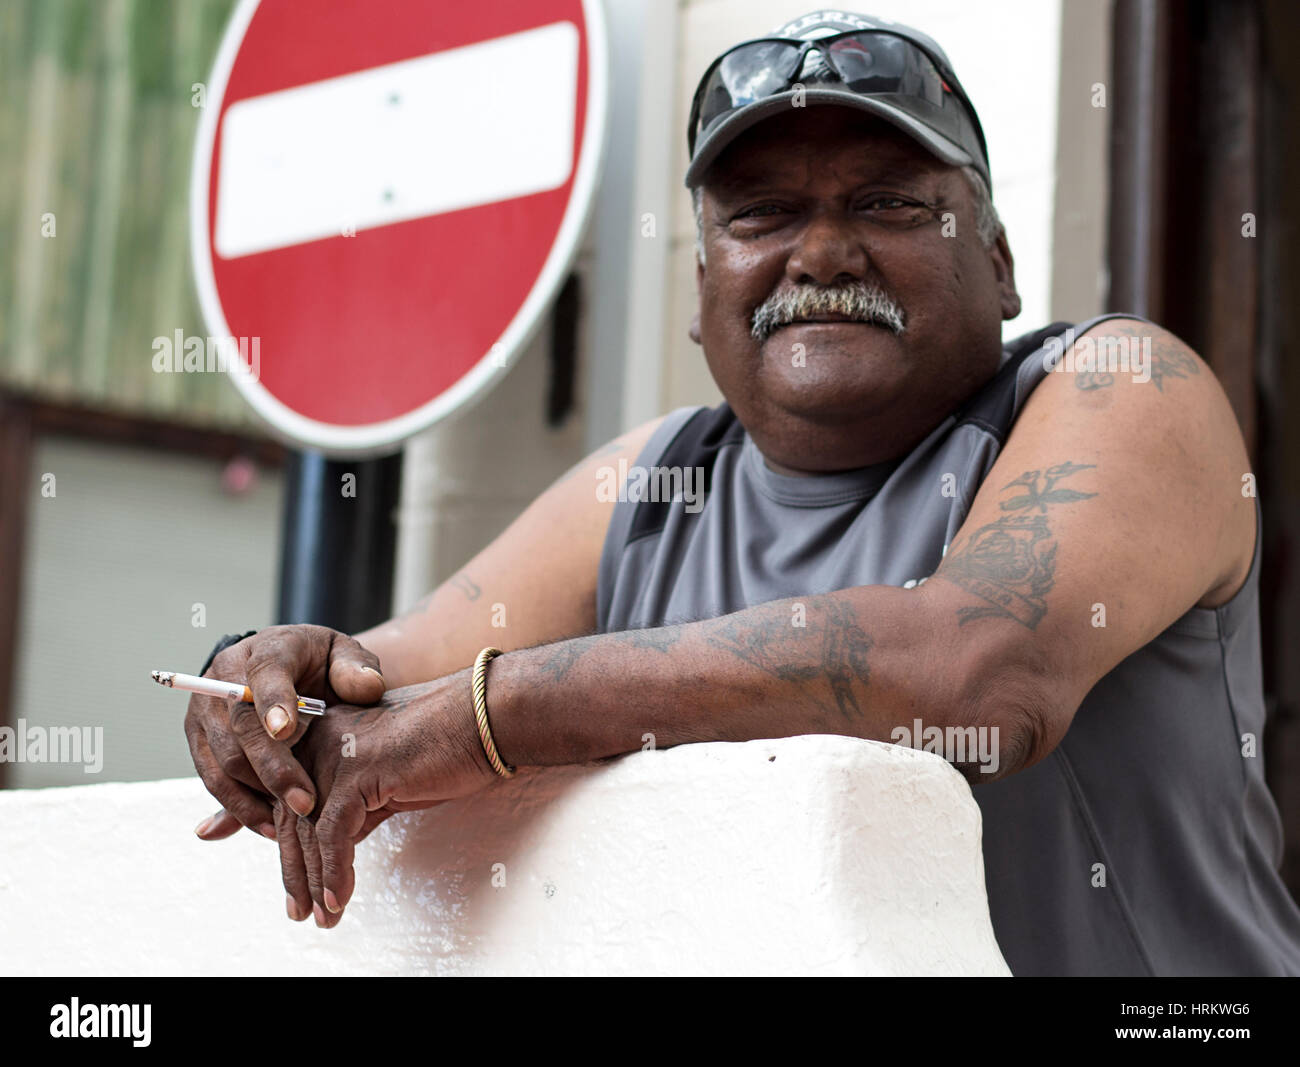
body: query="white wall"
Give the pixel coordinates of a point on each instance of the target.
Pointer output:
(795, 856)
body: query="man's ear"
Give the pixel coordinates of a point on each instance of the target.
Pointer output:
(1005, 269)
(695, 320)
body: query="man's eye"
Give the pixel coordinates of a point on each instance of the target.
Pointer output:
(886, 203)
(758, 211)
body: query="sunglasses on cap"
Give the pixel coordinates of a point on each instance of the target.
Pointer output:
(867, 62)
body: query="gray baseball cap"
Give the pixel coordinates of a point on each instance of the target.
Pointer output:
(899, 75)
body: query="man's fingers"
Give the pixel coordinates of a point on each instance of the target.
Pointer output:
(245, 806)
(230, 757)
(354, 671)
(273, 685)
(340, 823)
(293, 870)
(220, 826)
(311, 859)
(205, 711)
(272, 761)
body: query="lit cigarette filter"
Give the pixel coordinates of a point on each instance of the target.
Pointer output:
(216, 688)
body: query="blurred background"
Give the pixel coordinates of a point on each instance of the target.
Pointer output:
(1145, 156)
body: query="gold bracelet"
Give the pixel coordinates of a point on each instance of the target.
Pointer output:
(479, 689)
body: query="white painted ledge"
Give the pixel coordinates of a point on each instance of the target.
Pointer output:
(816, 855)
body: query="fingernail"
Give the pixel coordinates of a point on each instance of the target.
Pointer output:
(276, 720)
(291, 906)
(376, 674)
(267, 830)
(332, 902)
(204, 826)
(319, 913)
(300, 800)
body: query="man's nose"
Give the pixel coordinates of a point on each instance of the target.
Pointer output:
(827, 252)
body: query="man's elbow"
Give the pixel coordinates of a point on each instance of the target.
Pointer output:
(1016, 714)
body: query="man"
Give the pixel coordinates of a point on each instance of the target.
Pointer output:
(905, 526)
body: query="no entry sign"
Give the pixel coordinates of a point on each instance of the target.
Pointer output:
(387, 195)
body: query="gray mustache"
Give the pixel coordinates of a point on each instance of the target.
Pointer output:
(860, 301)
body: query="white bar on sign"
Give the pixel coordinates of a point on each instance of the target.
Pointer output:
(470, 126)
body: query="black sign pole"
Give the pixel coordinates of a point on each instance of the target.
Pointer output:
(339, 540)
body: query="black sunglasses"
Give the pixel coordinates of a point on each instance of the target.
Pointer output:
(868, 62)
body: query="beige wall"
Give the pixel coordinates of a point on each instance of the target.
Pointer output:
(465, 480)
(114, 564)
(1079, 275)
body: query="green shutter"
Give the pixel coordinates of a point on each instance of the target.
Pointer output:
(97, 127)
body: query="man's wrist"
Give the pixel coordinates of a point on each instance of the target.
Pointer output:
(559, 704)
(463, 713)
(510, 712)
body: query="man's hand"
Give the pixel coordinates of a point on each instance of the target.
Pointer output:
(417, 748)
(242, 751)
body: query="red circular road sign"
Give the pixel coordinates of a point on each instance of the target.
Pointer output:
(386, 196)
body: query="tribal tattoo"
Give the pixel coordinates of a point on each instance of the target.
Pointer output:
(1010, 564)
(832, 648)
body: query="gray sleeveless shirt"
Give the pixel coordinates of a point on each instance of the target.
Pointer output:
(1150, 780)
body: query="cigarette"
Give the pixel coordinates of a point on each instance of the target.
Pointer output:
(213, 687)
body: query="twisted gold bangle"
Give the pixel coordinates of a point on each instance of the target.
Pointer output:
(479, 689)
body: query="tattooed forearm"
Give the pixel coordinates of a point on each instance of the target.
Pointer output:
(466, 585)
(823, 651)
(559, 659)
(1010, 564)
(659, 638)
(830, 649)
